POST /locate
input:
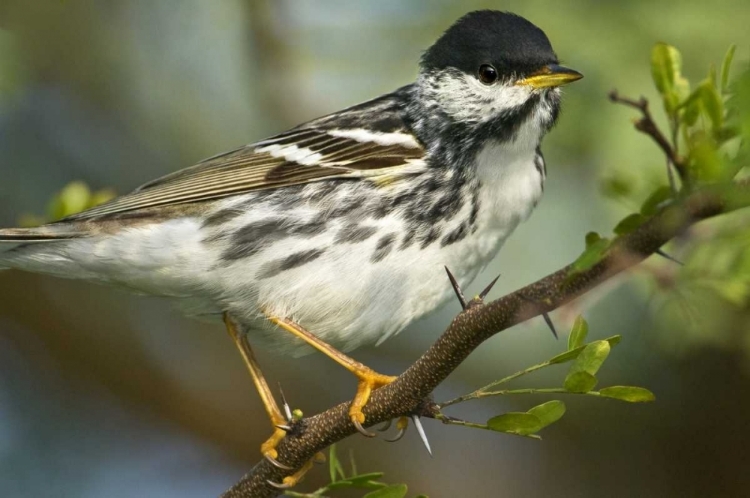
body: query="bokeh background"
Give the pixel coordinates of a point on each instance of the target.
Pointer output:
(107, 394)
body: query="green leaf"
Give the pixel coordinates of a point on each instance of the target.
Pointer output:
(572, 354)
(726, 65)
(666, 64)
(367, 480)
(629, 223)
(549, 412)
(579, 382)
(628, 393)
(706, 165)
(578, 333)
(515, 423)
(335, 469)
(73, 198)
(712, 103)
(592, 238)
(653, 202)
(591, 255)
(616, 186)
(100, 197)
(392, 491)
(592, 357)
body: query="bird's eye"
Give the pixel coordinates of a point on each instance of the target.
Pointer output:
(487, 74)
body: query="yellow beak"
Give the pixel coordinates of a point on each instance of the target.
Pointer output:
(550, 76)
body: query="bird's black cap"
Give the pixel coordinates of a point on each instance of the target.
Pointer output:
(507, 41)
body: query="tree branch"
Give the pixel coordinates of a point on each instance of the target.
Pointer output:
(473, 326)
(648, 126)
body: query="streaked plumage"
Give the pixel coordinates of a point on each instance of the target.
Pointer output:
(344, 223)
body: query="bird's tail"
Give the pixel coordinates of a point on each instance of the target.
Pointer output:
(10, 238)
(44, 233)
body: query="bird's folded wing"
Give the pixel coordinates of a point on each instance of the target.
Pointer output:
(298, 156)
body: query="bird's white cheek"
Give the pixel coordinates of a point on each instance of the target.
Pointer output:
(506, 97)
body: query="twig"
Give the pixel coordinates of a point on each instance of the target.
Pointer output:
(648, 126)
(472, 327)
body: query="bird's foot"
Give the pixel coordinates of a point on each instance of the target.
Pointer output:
(369, 380)
(293, 425)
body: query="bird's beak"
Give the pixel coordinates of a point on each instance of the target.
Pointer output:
(551, 76)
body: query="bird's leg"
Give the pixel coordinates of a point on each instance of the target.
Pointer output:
(369, 379)
(268, 448)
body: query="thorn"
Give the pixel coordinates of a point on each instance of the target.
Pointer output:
(456, 288)
(285, 428)
(422, 435)
(670, 258)
(545, 315)
(487, 289)
(549, 323)
(287, 410)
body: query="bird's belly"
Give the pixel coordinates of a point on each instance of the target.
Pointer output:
(348, 300)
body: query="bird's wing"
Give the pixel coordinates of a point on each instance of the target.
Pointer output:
(312, 152)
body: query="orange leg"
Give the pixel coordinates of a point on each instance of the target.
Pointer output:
(268, 448)
(369, 380)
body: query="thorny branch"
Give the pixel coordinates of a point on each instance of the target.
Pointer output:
(408, 395)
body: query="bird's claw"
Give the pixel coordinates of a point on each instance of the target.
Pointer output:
(276, 463)
(386, 425)
(397, 437)
(361, 429)
(277, 485)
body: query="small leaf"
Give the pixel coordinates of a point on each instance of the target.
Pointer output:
(591, 255)
(515, 423)
(629, 223)
(73, 198)
(335, 469)
(692, 109)
(706, 165)
(572, 354)
(578, 333)
(712, 104)
(591, 358)
(549, 412)
(616, 186)
(725, 68)
(100, 197)
(367, 480)
(579, 382)
(666, 64)
(655, 200)
(341, 484)
(592, 238)
(392, 491)
(628, 393)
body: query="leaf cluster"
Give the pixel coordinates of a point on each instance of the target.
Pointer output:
(586, 359)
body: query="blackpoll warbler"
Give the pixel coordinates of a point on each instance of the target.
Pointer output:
(341, 225)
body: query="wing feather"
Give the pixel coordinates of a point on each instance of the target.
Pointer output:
(295, 157)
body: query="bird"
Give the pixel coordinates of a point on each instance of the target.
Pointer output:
(334, 234)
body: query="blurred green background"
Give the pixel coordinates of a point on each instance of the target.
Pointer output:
(107, 394)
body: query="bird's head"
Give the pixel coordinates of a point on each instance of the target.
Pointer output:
(490, 67)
